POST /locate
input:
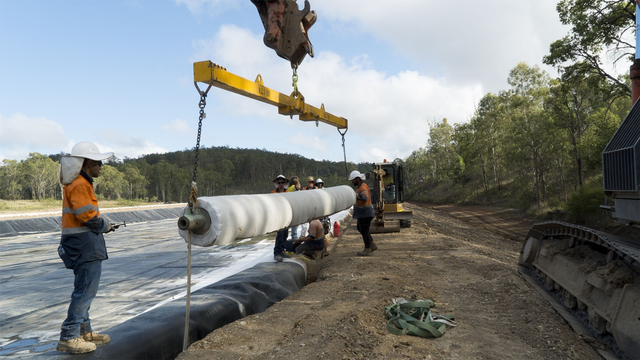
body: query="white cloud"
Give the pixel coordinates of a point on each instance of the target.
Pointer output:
(129, 146)
(468, 41)
(302, 141)
(21, 134)
(389, 111)
(178, 125)
(200, 7)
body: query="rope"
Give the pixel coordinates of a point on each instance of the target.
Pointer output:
(185, 343)
(415, 318)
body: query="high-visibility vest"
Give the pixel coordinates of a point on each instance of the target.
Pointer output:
(364, 188)
(79, 205)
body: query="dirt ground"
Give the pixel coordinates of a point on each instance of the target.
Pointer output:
(456, 260)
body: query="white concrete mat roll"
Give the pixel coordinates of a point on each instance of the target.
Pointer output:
(243, 216)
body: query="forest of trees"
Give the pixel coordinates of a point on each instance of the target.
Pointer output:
(538, 144)
(166, 177)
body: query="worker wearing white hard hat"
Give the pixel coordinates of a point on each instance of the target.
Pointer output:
(82, 247)
(281, 183)
(363, 211)
(319, 183)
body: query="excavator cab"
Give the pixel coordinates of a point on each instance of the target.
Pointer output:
(287, 28)
(388, 198)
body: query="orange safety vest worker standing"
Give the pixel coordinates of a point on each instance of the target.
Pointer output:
(363, 211)
(82, 247)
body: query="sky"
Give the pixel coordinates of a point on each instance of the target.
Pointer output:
(119, 73)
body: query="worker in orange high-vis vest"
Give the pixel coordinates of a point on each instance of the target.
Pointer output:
(82, 247)
(363, 211)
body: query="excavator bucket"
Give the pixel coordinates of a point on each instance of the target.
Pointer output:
(287, 28)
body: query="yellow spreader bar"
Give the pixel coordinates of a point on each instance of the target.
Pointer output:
(215, 75)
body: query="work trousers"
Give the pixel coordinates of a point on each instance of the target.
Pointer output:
(301, 248)
(363, 228)
(281, 238)
(85, 288)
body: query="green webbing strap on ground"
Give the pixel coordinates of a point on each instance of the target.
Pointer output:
(413, 318)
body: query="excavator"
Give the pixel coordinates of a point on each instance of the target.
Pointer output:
(388, 197)
(592, 278)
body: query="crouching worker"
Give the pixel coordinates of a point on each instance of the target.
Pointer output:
(82, 247)
(309, 244)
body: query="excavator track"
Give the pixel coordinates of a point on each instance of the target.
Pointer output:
(592, 279)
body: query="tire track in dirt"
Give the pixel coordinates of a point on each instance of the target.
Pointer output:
(508, 223)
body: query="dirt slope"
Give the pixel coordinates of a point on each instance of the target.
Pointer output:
(470, 273)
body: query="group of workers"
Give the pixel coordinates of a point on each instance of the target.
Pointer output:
(82, 246)
(315, 239)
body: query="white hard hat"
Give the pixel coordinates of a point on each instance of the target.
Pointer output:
(319, 181)
(281, 177)
(355, 173)
(85, 149)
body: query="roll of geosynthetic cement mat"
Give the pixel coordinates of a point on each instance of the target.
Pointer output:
(318, 203)
(244, 216)
(158, 334)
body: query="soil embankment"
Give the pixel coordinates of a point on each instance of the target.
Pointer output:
(469, 272)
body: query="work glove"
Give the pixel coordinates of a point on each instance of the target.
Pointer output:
(110, 228)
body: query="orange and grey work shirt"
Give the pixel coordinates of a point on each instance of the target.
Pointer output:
(82, 226)
(363, 207)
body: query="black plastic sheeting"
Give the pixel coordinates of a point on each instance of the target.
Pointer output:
(159, 333)
(17, 227)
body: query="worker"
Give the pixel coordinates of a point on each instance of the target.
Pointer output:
(311, 184)
(389, 186)
(363, 211)
(280, 183)
(82, 249)
(295, 186)
(310, 243)
(319, 184)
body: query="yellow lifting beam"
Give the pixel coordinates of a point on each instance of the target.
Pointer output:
(215, 75)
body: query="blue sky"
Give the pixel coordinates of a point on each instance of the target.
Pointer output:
(119, 72)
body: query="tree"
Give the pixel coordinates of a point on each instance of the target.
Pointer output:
(41, 175)
(531, 124)
(596, 26)
(136, 182)
(10, 185)
(111, 182)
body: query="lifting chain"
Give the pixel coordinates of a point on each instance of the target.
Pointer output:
(193, 196)
(344, 150)
(193, 201)
(294, 78)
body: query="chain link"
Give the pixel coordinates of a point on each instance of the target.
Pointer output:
(193, 197)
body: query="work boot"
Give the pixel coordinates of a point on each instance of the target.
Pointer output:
(365, 252)
(98, 339)
(374, 247)
(277, 258)
(286, 256)
(75, 346)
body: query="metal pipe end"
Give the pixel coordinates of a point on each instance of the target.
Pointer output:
(198, 221)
